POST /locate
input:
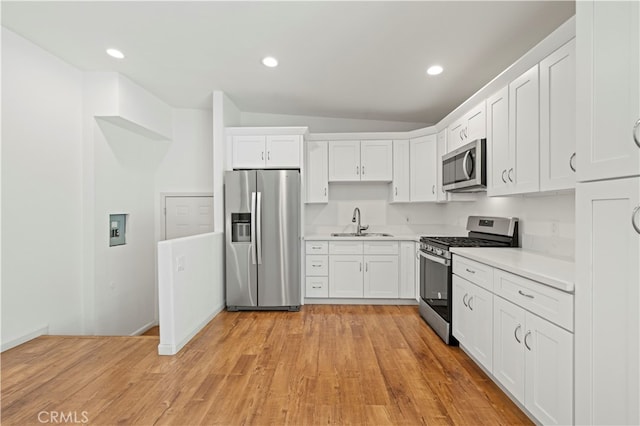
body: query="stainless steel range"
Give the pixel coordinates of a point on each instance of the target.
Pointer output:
(436, 270)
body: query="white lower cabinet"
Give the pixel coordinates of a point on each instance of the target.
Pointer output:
(407, 283)
(473, 320)
(345, 276)
(533, 360)
(381, 277)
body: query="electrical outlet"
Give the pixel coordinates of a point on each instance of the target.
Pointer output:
(180, 261)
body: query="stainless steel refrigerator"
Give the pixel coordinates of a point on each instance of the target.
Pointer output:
(262, 220)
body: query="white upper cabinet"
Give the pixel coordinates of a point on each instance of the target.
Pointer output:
(266, 152)
(468, 128)
(441, 194)
(376, 160)
(523, 173)
(248, 152)
(317, 172)
(608, 89)
(558, 119)
(344, 161)
(423, 168)
(401, 172)
(366, 161)
(498, 161)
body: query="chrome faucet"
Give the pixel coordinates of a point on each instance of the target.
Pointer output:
(356, 220)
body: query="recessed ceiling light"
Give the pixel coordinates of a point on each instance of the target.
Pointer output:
(115, 53)
(434, 70)
(270, 62)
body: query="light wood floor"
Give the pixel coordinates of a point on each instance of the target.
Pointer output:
(323, 365)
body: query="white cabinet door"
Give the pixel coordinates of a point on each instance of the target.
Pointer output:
(345, 276)
(317, 172)
(558, 119)
(508, 351)
(248, 152)
(549, 372)
(441, 149)
(401, 173)
(423, 168)
(480, 306)
(608, 89)
(376, 161)
(524, 133)
(344, 161)
(407, 285)
(283, 152)
(381, 277)
(456, 135)
(607, 318)
(498, 143)
(461, 322)
(476, 123)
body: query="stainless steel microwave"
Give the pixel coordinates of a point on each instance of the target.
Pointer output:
(464, 170)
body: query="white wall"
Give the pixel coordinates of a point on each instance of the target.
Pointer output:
(41, 192)
(190, 276)
(326, 124)
(547, 222)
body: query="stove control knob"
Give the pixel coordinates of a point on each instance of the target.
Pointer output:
(439, 252)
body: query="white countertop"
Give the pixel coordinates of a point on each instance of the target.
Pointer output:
(547, 270)
(429, 230)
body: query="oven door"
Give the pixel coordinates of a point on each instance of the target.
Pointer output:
(435, 283)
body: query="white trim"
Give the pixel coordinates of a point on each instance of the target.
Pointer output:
(163, 207)
(172, 349)
(266, 131)
(327, 301)
(144, 328)
(42, 331)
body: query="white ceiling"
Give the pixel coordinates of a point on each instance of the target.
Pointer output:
(337, 59)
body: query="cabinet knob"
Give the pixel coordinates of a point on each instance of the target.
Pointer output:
(433, 189)
(357, 170)
(262, 155)
(635, 133)
(325, 191)
(573, 157)
(268, 155)
(634, 220)
(396, 190)
(363, 170)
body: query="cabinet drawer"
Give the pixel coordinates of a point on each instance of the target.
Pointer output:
(317, 287)
(381, 247)
(345, 247)
(478, 273)
(549, 303)
(317, 266)
(317, 247)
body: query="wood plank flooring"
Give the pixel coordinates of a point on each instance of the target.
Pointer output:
(326, 364)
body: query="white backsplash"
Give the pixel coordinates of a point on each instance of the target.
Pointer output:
(547, 222)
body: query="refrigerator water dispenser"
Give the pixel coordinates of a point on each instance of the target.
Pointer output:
(241, 227)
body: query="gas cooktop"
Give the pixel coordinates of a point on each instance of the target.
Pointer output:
(463, 242)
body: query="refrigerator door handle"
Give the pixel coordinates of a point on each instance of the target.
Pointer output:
(253, 228)
(259, 228)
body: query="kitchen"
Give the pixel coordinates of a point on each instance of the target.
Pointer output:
(548, 221)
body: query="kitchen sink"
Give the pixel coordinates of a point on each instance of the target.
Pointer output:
(364, 234)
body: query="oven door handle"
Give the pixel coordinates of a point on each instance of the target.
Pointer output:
(445, 262)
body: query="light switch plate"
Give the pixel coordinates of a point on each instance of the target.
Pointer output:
(117, 229)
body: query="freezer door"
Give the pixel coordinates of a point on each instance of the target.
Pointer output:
(241, 264)
(278, 238)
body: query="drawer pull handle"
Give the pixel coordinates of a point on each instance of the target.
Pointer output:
(515, 333)
(464, 299)
(525, 339)
(469, 303)
(316, 286)
(522, 293)
(471, 271)
(316, 247)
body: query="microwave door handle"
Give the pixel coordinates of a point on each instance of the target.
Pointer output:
(464, 165)
(439, 260)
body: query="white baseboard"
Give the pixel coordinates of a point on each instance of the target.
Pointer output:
(174, 348)
(320, 301)
(25, 338)
(144, 328)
